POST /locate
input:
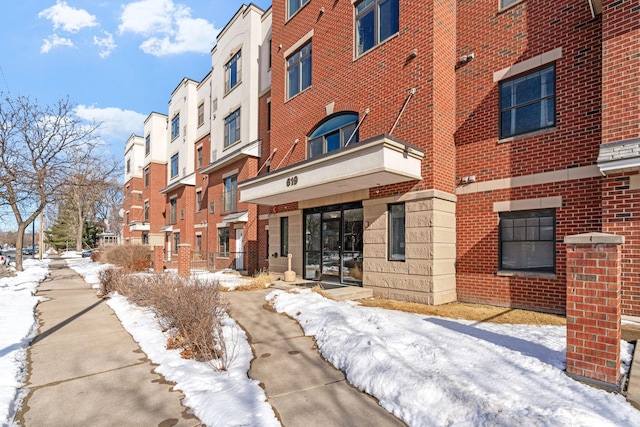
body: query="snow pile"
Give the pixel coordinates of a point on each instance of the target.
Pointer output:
(227, 278)
(438, 371)
(19, 326)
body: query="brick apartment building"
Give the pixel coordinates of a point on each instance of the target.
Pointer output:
(441, 151)
(430, 151)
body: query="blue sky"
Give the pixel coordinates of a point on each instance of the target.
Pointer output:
(117, 60)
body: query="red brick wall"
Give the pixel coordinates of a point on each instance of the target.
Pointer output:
(157, 181)
(131, 203)
(379, 80)
(477, 246)
(621, 216)
(620, 64)
(186, 203)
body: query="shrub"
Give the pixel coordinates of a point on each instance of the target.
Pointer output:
(130, 257)
(95, 256)
(111, 279)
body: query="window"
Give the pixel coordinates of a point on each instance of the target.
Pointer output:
(145, 238)
(128, 165)
(396, 232)
(506, 3)
(299, 71)
(128, 192)
(294, 6)
(212, 207)
(201, 114)
(198, 242)
(284, 236)
(231, 194)
(198, 201)
(332, 134)
(146, 177)
(270, 46)
(232, 128)
(146, 211)
(376, 21)
(176, 242)
(232, 70)
(268, 115)
(527, 103)
(175, 126)
(175, 163)
(527, 240)
(127, 218)
(223, 241)
(173, 209)
(199, 157)
(147, 145)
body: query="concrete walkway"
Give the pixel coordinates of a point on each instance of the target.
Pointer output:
(86, 370)
(302, 387)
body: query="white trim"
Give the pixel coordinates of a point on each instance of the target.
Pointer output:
(263, 217)
(528, 204)
(297, 45)
(527, 65)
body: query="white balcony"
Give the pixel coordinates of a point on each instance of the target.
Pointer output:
(139, 226)
(381, 160)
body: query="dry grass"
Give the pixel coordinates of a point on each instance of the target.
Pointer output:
(261, 281)
(474, 312)
(318, 290)
(129, 257)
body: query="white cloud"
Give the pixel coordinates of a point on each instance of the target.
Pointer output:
(116, 123)
(68, 18)
(54, 41)
(106, 44)
(168, 27)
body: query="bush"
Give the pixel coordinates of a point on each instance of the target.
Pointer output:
(95, 256)
(129, 257)
(191, 313)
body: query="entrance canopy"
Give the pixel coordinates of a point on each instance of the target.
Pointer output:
(381, 160)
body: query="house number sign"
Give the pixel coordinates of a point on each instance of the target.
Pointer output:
(292, 181)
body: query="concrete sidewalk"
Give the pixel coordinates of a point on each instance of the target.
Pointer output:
(303, 388)
(86, 370)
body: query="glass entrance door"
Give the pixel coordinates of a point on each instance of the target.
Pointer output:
(333, 244)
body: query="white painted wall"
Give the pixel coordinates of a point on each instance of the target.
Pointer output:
(156, 127)
(134, 154)
(203, 95)
(183, 101)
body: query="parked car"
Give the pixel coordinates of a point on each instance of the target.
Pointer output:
(87, 253)
(27, 251)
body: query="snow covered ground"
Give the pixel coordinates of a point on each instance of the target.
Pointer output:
(19, 326)
(428, 371)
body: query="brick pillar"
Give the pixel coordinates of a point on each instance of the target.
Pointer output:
(158, 259)
(594, 308)
(184, 260)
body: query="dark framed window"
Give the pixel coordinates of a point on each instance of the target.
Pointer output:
(223, 241)
(198, 242)
(175, 126)
(128, 165)
(199, 157)
(527, 240)
(176, 242)
(146, 177)
(127, 221)
(232, 128)
(294, 6)
(175, 165)
(376, 21)
(232, 70)
(284, 236)
(198, 201)
(269, 115)
(528, 102)
(396, 232)
(201, 114)
(145, 238)
(146, 211)
(332, 134)
(299, 70)
(173, 210)
(231, 193)
(147, 145)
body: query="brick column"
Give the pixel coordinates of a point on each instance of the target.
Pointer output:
(184, 260)
(594, 308)
(158, 259)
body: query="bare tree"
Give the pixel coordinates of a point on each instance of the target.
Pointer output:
(109, 206)
(40, 149)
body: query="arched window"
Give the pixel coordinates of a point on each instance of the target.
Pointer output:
(332, 134)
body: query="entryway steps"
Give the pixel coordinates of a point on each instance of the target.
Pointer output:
(338, 293)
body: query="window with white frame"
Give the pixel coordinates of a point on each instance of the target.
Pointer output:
(147, 145)
(175, 165)
(527, 240)
(376, 21)
(199, 157)
(128, 165)
(198, 242)
(146, 211)
(175, 126)
(396, 232)
(528, 102)
(333, 134)
(146, 177)
(232, 128)
(198, 201)
(299, 70)
(201, 114)
(294, 5)
(232, 70)
(176, 242)
(231, 193)
(173, 210)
